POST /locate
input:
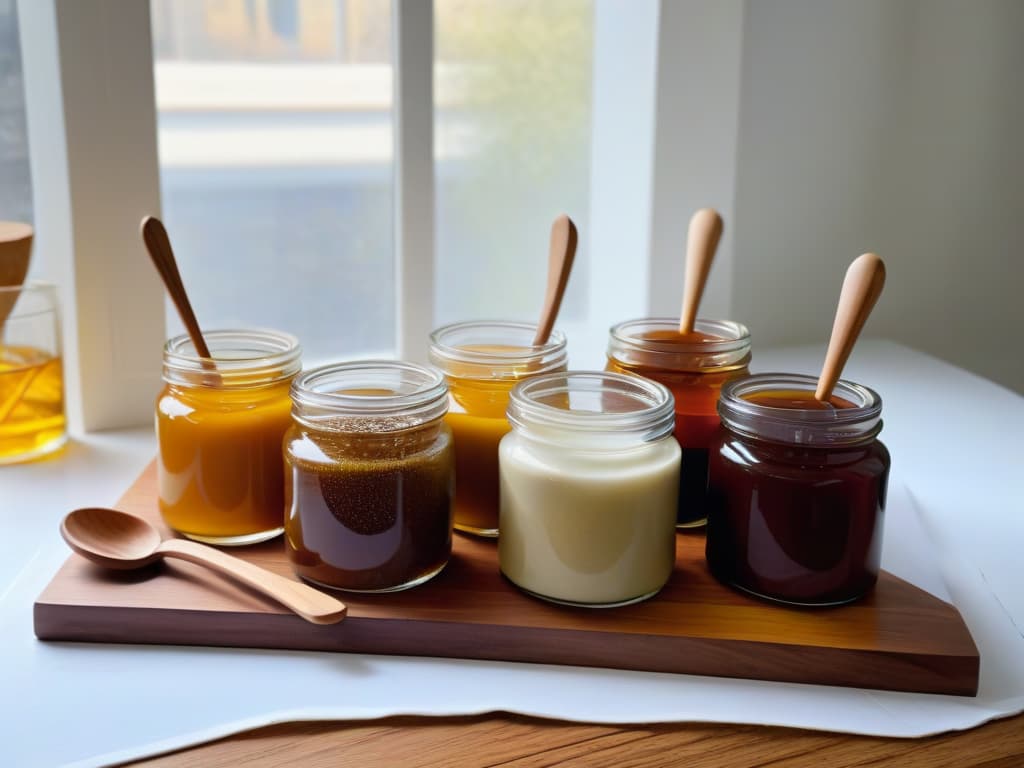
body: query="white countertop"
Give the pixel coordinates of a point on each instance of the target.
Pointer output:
(954, 440)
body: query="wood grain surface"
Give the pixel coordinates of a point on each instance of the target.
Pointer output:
(513, 741)
(899, 638)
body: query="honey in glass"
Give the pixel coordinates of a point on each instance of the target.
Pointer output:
(482, 361)
(694, 367)
(32, 421)
(220, 468)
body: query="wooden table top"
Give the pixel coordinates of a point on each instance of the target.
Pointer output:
(512, 741)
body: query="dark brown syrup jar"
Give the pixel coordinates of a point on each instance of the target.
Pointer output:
(369, 476)
(797, 490)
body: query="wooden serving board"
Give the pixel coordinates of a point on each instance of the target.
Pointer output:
(899, 638)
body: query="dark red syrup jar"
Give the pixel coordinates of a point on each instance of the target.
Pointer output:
(797, 490)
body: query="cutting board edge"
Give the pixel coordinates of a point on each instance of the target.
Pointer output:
(936, 673)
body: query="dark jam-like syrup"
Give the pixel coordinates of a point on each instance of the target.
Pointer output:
(796, 399)
(796, 523)
(369, 515)
(696, 400)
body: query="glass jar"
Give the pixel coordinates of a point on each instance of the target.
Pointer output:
(589, 479)
(31, 373)
(798, 490)
(482, 361)
(369, 476)
(694, 368)
(219, 431)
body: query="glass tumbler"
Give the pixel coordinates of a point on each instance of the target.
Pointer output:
(32, 420)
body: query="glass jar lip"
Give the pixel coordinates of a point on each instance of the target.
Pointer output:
(729, 351)
(318, 400)
(256, 357)
(792, 425)
(730, 335)
(495, 363)
(653, 420)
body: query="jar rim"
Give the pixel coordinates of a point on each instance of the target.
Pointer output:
(833, 426)
(498, 357)
(243, 357)
(729, 349)
(653, 419)
(328, 398)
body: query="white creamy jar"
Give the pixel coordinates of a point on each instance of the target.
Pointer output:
(589, 481)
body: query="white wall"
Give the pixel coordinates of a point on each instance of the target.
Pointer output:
(894, 127)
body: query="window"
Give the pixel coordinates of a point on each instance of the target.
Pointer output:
(512, 134)
(15, 187)
(274, 123)
(297, 181)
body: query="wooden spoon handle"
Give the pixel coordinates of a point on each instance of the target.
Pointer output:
(701, 244)
(862, 286)
(561, 254)
(310, 604)
(159, 246)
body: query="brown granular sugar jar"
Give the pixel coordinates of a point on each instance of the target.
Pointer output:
(369, 476)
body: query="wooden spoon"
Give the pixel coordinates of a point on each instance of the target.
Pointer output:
(701, 244)
(159, 246)
(15, 249)
(862, 286)
(121, 541)
(561, 253)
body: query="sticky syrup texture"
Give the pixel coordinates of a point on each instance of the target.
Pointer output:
(31, 400)
(796, 399)
(693, 337)
(220, 472)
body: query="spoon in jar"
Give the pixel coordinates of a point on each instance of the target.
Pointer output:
(862, 286)
(121, 541)
(561, 254)
(158, 244)
(701, 243)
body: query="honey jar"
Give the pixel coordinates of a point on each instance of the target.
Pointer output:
(219, 431)
(482, 361)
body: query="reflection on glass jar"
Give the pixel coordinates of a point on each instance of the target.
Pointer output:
(797, 490)
(482, 361)
(694, 367)
(219, 468)
(589, 479)
(369, 476)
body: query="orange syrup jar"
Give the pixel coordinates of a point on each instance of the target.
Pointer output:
(220, 467)
(482, 361)
(693, 367)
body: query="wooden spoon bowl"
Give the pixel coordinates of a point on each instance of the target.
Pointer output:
(15, 250)
(124, 542)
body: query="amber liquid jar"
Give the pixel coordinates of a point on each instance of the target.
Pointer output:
(369, 481)
(694, 368)
(220, 475)
(798, 490)
(482, 361)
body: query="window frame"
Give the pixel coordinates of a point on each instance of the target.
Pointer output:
(666, 78)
